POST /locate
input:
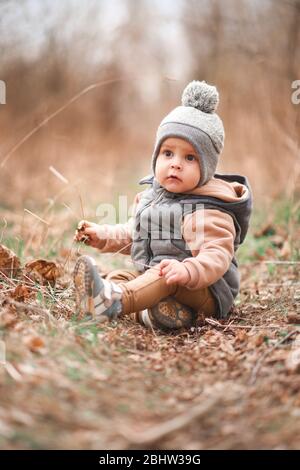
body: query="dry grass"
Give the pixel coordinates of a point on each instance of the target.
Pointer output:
(71, 383)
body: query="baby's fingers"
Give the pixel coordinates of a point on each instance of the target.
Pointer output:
(164, 263)
(82, 225)
(169, 271)
(77, 236)
(166, 270)
(172, 279)
(81, 237)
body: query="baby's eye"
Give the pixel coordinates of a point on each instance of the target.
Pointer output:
(190, 158)
(168, 153)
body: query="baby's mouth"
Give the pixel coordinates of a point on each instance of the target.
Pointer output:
(173, 178)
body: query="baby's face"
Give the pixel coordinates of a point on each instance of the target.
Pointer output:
(177, 166)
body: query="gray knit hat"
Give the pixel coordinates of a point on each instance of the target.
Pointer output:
(196, 122)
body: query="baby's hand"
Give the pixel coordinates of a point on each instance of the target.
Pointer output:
(88, 233)
(174, 272)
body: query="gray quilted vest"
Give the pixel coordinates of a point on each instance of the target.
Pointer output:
(157, 232)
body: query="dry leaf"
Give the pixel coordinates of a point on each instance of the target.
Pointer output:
(227, 347)
(9, 262)
(8, 317)
(277, 355)
(43, 271)
(259, 339)
(286, 250)
(34, 343)
(22, 293)
(65, 252)
(293, 317)
(277, 240)
(265, 230)
(293, 361)
(241, 336)
(270, 252)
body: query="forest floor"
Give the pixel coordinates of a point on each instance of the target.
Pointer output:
(69, 383)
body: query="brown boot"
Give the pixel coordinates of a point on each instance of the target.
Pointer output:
(169, 314)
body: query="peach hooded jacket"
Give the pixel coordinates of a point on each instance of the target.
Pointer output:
(212, 256)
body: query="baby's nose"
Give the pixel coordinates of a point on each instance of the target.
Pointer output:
(176, 164)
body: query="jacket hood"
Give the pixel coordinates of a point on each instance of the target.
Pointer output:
(228, 188)
(225, 188)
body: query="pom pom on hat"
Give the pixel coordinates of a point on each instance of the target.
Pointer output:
(201, 96)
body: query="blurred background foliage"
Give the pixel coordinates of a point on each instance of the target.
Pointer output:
(142, 54)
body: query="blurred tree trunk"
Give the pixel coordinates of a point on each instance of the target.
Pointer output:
(203, 24)
(294, 41)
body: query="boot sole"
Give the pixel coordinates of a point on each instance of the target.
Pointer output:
(87, 284)
(169, 314)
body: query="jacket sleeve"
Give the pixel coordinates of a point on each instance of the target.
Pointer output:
(118, 237)
(210, 236)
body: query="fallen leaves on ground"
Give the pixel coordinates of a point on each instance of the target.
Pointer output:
(9, 263)
(34, 343)
(43, 271)
(23, 293)
(80, 385)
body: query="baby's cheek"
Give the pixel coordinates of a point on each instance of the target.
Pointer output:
(159, 173)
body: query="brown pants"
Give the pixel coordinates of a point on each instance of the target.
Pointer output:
(142, 291)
